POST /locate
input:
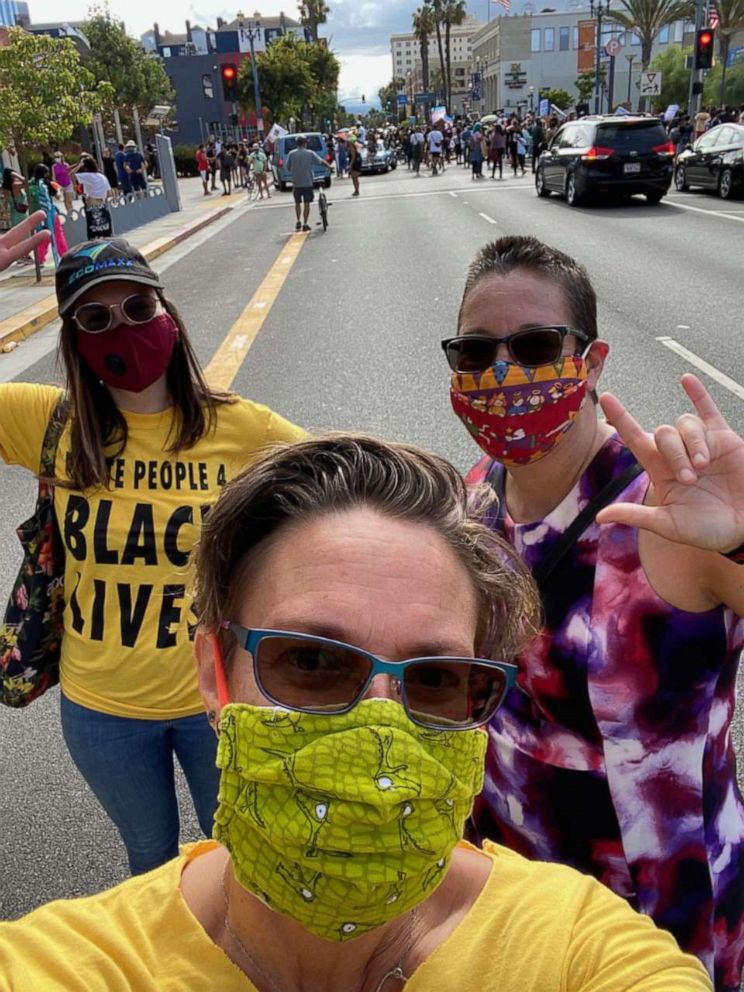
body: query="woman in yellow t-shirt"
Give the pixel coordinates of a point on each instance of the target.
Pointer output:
(343, 656)
(146, 449)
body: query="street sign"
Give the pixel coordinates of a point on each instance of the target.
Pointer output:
(402, 99)
(613, 47)
(650, 83)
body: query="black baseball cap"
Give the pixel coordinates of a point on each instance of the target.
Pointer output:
(92, 262)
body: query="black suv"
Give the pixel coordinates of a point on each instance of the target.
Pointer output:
(609, 155)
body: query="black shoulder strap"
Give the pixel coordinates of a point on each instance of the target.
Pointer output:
(496, 477)
(52, 435)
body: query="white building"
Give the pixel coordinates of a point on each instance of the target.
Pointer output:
(405, 52)
(518, 56)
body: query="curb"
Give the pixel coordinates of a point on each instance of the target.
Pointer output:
(33, 318)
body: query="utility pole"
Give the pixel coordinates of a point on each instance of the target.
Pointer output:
(693, 99)
(597, 9)
(252, 32)
(630, 59)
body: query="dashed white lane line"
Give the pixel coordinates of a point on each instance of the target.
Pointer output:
(452, 192)
(486, 217)
(720, 377)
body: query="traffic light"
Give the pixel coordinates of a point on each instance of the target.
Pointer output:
(704, 48)
(230, 82)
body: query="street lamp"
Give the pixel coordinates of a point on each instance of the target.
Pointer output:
(597, 9)
(630, 59)
(531, 91)
(252, 32)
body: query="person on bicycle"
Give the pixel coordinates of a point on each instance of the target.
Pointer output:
(300, 163)
(259, 163)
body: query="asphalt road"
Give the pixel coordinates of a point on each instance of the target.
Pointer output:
(353, 342)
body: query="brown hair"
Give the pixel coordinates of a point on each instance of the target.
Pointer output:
(516, 252)
(339, 472)
(97, 423)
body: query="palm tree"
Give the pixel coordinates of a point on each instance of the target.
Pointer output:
(731, 20)
(438, 8)
(312, 14)
(454, 13)
(647, 17)
(423, 28)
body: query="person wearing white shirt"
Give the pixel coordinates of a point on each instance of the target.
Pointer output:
(436, 140)
(96, 187)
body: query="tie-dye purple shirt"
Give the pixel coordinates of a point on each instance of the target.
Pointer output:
(615, 755)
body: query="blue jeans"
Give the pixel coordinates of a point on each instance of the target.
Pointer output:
(129, 766)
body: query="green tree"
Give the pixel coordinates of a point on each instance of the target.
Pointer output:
(423, 28)
(647, 17)
(730, 83)
(561, 98)
(731, 14)
(312, 14)
(293, 76)
(675, 76)
(136, 77)
(437, 84)
(388, 94)
(46, 91)
(585, 85)
(454, 13)
(324, 68)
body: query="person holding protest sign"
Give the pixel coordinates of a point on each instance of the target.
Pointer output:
(146, 448)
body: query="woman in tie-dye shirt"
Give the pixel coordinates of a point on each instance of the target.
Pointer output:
(615, 753)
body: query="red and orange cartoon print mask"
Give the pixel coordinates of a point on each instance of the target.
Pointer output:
(516, 414)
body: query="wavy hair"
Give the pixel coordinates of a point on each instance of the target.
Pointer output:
(334, 473)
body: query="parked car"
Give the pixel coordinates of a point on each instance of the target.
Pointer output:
(383, 160)
(607, 155)
(714, 161)
(316, 142)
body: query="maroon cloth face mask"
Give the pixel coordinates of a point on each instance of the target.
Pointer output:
(130, 356)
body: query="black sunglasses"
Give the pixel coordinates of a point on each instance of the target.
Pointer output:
(532, 347)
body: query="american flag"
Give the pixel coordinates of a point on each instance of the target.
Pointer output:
(713, 17)
(506, 4)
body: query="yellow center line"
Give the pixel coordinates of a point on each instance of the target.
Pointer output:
(230, 355)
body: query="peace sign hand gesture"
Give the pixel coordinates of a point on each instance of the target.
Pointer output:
(19, 240)
(696, 469)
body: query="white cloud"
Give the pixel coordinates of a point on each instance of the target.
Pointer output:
(363, 75)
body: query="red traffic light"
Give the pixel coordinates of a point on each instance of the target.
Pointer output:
(228, 73)
(704, 48)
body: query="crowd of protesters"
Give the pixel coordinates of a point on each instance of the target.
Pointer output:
(60, 182)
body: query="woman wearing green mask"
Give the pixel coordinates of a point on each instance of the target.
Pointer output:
(349, 609)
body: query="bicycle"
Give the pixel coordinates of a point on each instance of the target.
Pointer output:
(251, 187)
(323, 207)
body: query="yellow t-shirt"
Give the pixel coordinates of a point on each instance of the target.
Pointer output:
(535, 927)
(126, 648)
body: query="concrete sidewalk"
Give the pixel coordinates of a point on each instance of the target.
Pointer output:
(26, 306)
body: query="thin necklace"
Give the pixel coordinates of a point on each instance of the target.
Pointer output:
(396, 972)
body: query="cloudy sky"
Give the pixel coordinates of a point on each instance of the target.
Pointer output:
(359, 30)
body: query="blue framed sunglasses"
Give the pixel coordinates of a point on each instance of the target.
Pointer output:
(319, 675)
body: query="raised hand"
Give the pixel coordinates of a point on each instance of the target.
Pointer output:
(696, 469)
(19, 240)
